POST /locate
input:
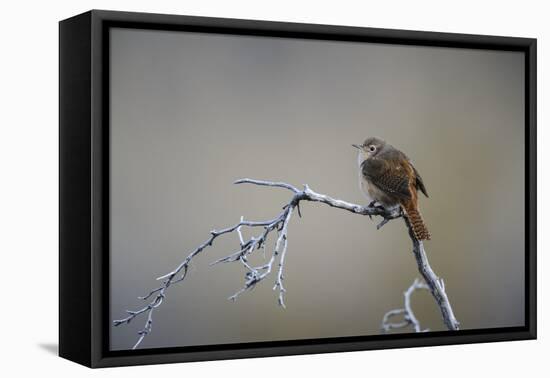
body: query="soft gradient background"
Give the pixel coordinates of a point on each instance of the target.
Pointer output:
(190, 113)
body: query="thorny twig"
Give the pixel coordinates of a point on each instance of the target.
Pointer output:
(279, 225)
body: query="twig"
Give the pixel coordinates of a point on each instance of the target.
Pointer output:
(408, 315)
(279, 224)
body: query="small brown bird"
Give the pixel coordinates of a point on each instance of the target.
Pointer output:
(387, 176)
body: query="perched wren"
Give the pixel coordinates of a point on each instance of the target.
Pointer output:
(387, 177)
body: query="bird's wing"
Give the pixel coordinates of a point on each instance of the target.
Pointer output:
(419, 182)
(391, 176)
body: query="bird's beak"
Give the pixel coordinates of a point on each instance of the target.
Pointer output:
(356, 146)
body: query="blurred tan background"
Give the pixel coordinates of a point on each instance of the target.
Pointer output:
(190, 113)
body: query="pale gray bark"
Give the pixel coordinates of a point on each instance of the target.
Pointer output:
(409, 318)
(436, 284)
(279, 225)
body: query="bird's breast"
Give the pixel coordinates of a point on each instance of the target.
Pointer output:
(374, 193)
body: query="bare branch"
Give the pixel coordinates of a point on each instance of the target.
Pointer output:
(409, 319)
(278, 225)
(268, 183)
(436, 285)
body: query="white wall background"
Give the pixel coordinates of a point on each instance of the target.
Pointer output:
(29, 189)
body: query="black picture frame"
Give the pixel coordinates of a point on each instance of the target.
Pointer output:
(84, 195)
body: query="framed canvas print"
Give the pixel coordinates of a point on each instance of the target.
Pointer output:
(234, 188)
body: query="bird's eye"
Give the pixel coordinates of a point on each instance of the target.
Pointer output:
(372, 148)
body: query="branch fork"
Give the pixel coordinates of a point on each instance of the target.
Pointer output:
(409, 319)
(279, 225)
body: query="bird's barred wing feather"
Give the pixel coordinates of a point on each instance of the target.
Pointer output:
(419, 182)
(392, 177)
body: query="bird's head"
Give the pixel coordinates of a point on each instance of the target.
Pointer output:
(370, 147)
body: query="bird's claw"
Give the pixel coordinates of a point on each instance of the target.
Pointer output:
(376, 205)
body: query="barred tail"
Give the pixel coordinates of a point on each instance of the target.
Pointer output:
(415, 219)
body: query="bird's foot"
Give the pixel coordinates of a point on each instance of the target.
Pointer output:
(372, 204)
(376, 205)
